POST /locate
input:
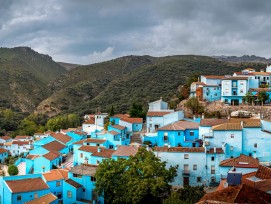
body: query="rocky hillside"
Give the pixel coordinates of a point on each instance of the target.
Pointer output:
(244, 58)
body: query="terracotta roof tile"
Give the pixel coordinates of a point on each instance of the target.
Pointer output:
(218, 151)
(26, 185)
(236, 78)
(237, 194)
(80, 132)
(120, 116)
(32, 156)
(84, 169)
(125, 151)
(87, 148)
(21, 143)
(199, 83)
(263, 172)
(61, 137)
(18, 137)
(212, 121)
(3, 150)
(132, 120)
(106, 153)
(227, 126)
(54, 146)
(79, 142)
(179, 149)
(6, 138)
(51, 155)
(242, 161)
(213, 76)
(45, 199)
(56, 174)
(157, 113)
(73, 183)
(119, 127)
(112, 132)
(181, 125)
(90, 121)
(92, 140)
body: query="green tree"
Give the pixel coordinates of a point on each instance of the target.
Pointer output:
(263, 96)
(111, 111)
(136, 111)
(194, 105)
(248, 97)
(139, 179)
(13, 170)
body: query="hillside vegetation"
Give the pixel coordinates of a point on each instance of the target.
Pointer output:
(125, 80)
(24, 78)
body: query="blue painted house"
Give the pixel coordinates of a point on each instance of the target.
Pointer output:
(3, 155)
(132, 124)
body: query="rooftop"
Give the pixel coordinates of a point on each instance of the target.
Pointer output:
(125, 151)
(132, 120)
(18, 137)
(56, 174)
(90, 121)
(51, 155)
(213, 76)
(179, 149)
(212, 121)
(54, 146)
(45, 199)
(32, 156)
(26, 185)
(180, 125)
(119, 127)
(5, 138)
(2, 150)
(157, 113)
(106, 153)
(84, 169)
(87, 148)
(228, 126)
(242, 161)
(73, 183)
(92, 140)
(235, 78)
(218, 151)
(112, 132)
(61, 137)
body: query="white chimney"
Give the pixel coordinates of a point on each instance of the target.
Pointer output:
(214, 149)
(202, 116)
(99, 149)
(242, 124)
(194, 117)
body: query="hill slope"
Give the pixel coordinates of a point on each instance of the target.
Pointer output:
(127, 79)
(24, 78)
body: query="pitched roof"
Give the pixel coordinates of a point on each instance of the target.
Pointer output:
(6, 138)
(212, 121)
(61, 137)
(125, 151)
(51, 155)
(213, 76)
(237, 194)
(87, 148)
(2, 150)
(56, 174)
(119, 127)
(263, 172)
(18, 137)
(54, 146)
(235, 78)
(45, 199)
(181, 125)
(112, 132)
(90, 121)
(120, 116)
(97, 141)
(32, 156)
(21, 143)
(26, 185)
(101, 152)
(79, 142)
(199, 83)
(157, 113)
(261, 73)
(73, 183)
(228, 126)
(84, 169)
(179, 149)
(242, 161)
(132, 120)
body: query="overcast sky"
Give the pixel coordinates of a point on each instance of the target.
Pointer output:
(88, 31)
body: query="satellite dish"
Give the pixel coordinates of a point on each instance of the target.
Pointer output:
(225, 185)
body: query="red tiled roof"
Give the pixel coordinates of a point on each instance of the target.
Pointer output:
(132, 120)
(237, 194)
(79, 142)
(120, 116)
(242, 161)
(6, 138)
(3, 150)
(80, 133)
(181, 125)
(92, 140)
(106, 153)
(54, 146)
(157, 113)
(32, 156)
(73, 183)
(199, 83)
(125, 151)
(263, 172)
(18, 137)
(26, 185)
(112, 132)
(228, 126)
(218, 151)
(51, 155)
(90, 121)
(235, 78)
(179, 149)
(120, 127)
(212, 121)
(56, 174)
(87, 148)
(45, 199)
(61, 137)
(21, 143)
(213, 76)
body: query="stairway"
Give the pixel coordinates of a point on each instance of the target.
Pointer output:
(136, 138)
(22, 168)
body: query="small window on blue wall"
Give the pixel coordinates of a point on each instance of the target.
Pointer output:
(191, 133)
(179, 134)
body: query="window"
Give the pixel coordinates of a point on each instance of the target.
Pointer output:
(81, 155)
(242, 91)
(92, 178)
(150, 125)
(213, 180)
(231, 148)
(19, 197)
(186, 156)
(150, 118)
(97, 162)
(84, 190)
(77, 175)
(58, 183)
(87, 143)
(195, 167)
(191, 133)
(242, 83)
(232, 135)
(255, 77)
(97, 145)
(127, 136)
(250, 154)
(69, 194)
(179, 134)
(212, 169)
(111, 146)
(198, 179)
(212, 158)
(165, 136)
(255, 145)
(59, 195)
(36, 195)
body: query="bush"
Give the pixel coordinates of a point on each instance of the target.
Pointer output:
(13, 170)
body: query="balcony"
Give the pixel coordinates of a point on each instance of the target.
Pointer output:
(186, 172)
